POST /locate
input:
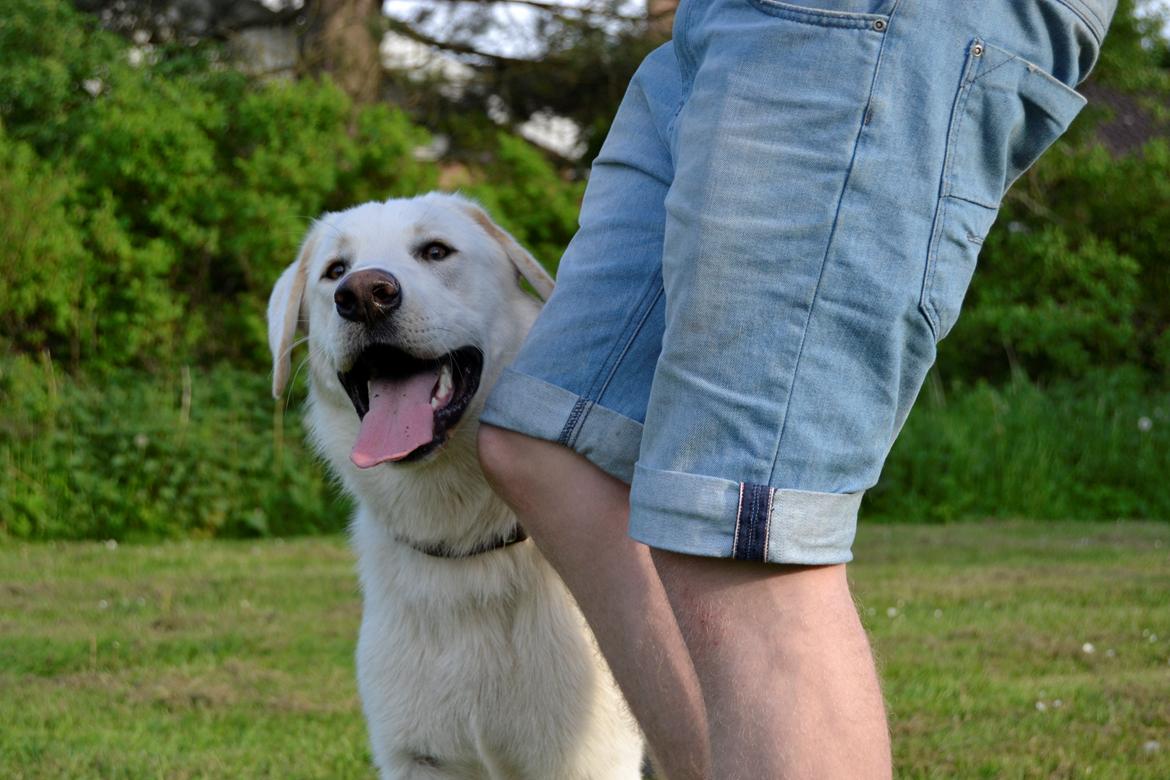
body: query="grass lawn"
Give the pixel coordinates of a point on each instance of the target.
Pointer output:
(1008, 650)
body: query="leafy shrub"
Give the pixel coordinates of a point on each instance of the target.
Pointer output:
(529, 198)
(188, 452)
(175, 191)
(1074, 275)
(1097, 448)
(40, 289)
(146, 209)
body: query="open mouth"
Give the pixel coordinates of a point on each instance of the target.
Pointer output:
(408, 404)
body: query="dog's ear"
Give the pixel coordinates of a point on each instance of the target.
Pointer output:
(525, 263)
(284, 312)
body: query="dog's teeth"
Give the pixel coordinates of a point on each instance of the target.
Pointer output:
(443, 389)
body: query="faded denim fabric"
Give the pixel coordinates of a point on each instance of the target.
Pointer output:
(780, 226)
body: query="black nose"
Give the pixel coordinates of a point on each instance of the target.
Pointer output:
(368, 296)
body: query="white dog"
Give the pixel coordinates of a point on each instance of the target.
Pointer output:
(473, 661)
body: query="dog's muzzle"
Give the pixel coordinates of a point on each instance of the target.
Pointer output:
(408, 404)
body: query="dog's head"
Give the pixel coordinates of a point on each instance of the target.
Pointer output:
(412, 307)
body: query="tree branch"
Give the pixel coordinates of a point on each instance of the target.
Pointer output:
(404, 29)
(559, 9)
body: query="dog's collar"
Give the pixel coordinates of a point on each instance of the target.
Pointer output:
(443, 550)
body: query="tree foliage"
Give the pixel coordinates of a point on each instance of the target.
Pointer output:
(147, 209)
(1075, 274)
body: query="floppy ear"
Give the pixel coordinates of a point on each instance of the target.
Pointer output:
(525, 263)
(284, 312)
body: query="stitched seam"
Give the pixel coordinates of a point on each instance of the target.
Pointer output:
(579, 424)
(620, 346)
(768, 522)
(926, 306)
(687, 63)
(670, 126)
(629, 343)
(571, 422)
(980, 74)
(1095, 24)
(756, 496)
(972, 201)
(828, 249)
(750, 535)
(932, 315)
(738, 517)
(817, 17)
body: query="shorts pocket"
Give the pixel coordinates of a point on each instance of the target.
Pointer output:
(1006, 113)
(832, 13)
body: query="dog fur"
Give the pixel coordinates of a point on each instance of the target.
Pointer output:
(478, 667)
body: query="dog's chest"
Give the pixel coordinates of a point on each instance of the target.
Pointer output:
(455, 684)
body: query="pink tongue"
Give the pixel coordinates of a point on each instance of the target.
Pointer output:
(400, 419)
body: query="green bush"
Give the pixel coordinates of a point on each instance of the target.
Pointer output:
(40, 291)
(530, 199)
(129, 455)
(1075, 274)
(145, 211)
(167, 197)
(1097, 448)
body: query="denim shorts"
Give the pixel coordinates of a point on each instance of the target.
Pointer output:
(780, 226)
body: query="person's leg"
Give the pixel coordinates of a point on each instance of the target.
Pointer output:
(785, 668)
(578, 515)
(805, 673)
(837, 165)
(823, 218)
(579, 387)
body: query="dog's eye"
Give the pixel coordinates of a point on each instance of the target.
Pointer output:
(334, 270)
(436, 250)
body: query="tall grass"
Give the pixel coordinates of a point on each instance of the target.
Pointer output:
(194, 452)
(1087, 450)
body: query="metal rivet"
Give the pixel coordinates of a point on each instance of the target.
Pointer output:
(977, 50)
(879, 24)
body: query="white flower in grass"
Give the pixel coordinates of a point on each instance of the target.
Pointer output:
(1110, 653)
(938, 613)
(1153, 638)
(1153, 746)
(103, 604)
(1041, 706)
(892, 612)
(1145, 424)
(141, 440)
(1088, 649)
(111, 544)
(1057, 704)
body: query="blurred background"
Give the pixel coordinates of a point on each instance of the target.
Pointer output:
(161, 159)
